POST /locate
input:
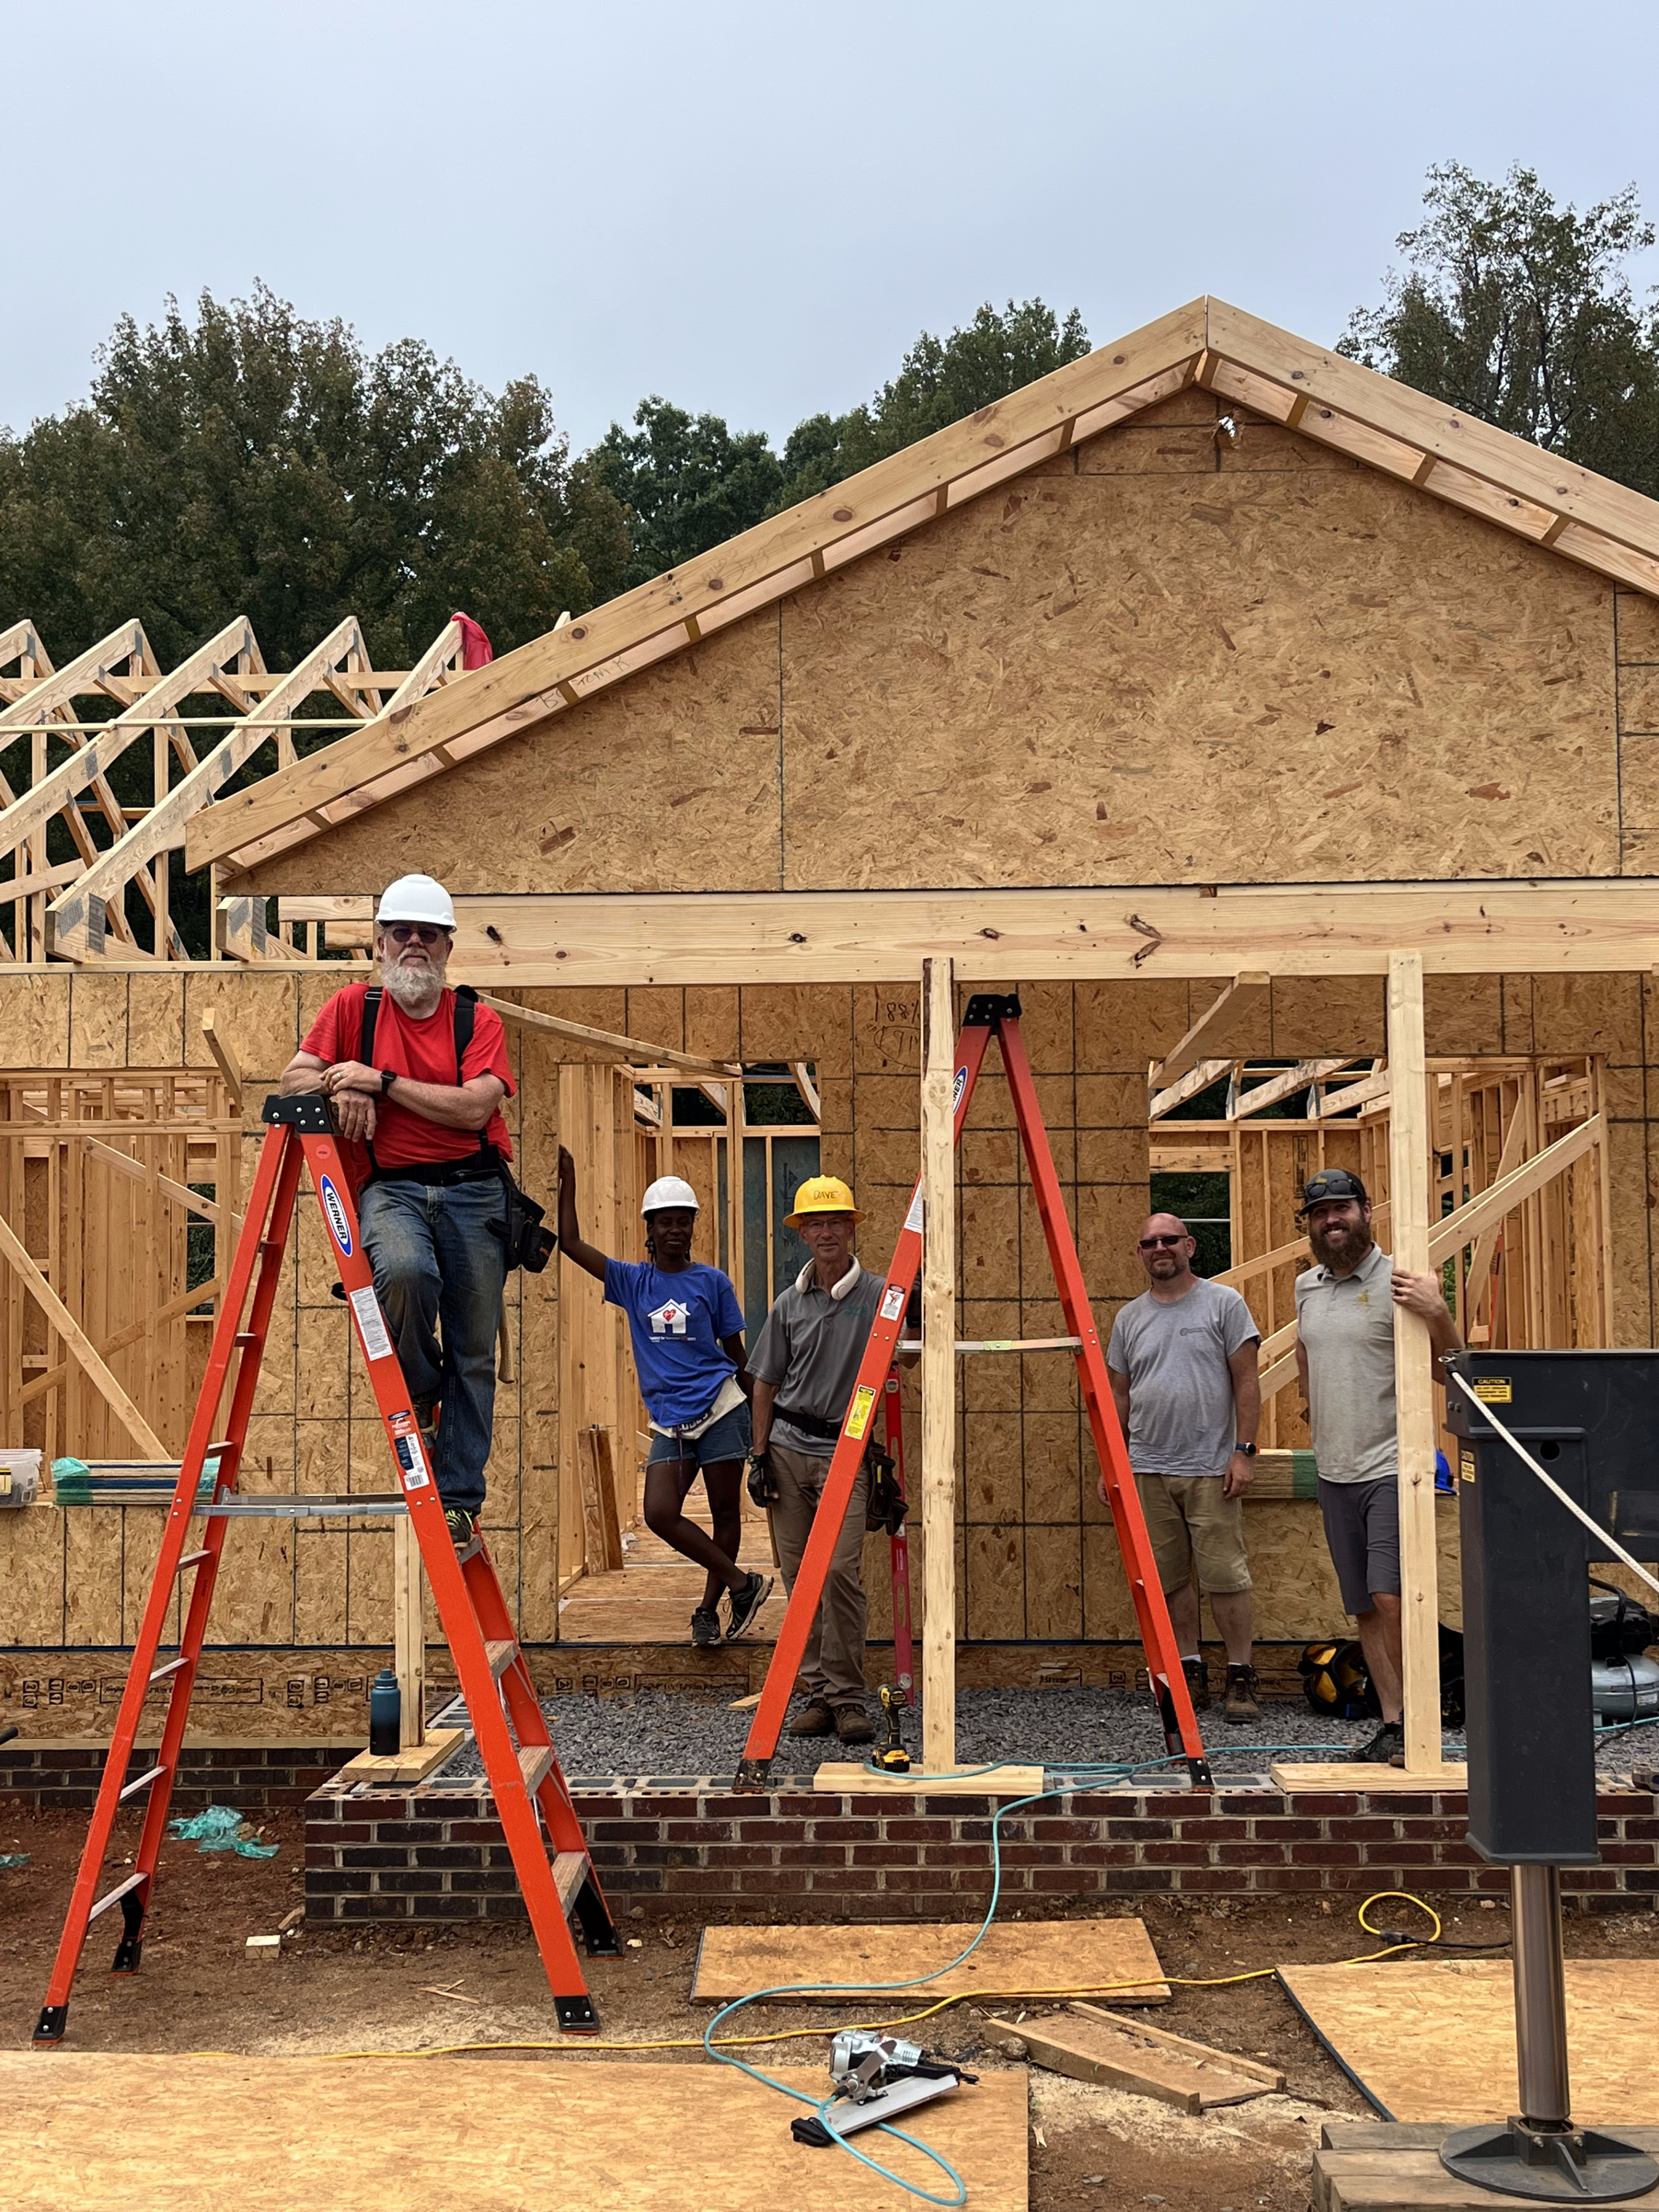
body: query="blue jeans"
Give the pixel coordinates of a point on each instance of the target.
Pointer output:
(439, 1274)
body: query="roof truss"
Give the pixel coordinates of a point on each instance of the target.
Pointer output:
(1514, 485)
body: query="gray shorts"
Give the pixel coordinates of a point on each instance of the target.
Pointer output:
(1361, 1530)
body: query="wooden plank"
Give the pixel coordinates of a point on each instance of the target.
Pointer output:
(1290, 1775)
(1285, 1085)
(1035, 1957)
(225, 1059)
(1413, 1374)
(408, 1635)
(622, 2135)
(1412, 2179)
(1225, 1023)
(1270, 2077)
(619, 1047)
(1188, 1086)
(849, 937)
(1116, 2057)
(525, 686)
(939, 1372)
(836, 1776)
(601, 1536)
(82, 675)
(79, 1344)
(414, 1761)
(1436, 2040)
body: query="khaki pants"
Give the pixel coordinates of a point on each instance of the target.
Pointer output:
(833, 1667)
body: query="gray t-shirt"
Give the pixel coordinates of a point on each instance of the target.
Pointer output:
(1181, 1390)
(810, 1349)
(1346, 1323)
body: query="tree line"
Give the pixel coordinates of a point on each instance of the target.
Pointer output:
(249, 460)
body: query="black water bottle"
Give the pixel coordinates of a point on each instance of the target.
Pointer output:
(386, 1715)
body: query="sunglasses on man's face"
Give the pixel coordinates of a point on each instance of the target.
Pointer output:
(401, 931)
(1158, 1244)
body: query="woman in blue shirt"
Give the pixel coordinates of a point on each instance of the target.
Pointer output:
(687, 1330)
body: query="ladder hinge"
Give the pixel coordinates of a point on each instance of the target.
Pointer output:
(987, 1008)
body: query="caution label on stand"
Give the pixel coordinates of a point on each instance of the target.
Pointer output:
(1495, 1390)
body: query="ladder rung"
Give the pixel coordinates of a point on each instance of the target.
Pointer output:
(569, 1873)
(140, 1782)
(535, 1764)
(500, 1656)
(115, 1895)
(161, 1674)
(1000, 1344)
(192, 1560)
(243, 1337)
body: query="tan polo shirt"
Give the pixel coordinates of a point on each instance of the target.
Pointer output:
(1346, 1323)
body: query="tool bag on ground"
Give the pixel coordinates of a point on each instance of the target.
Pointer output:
(519, 1226)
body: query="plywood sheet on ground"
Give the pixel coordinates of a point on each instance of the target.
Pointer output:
(1367, 2167)
(567, 2136)
(1075, 1957)
(1436, 2041)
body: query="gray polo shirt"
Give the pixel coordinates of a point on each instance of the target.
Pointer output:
(1347, 1324)
(810, 1349)
(1175, 1352)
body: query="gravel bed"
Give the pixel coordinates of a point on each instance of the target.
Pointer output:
(667, 1734)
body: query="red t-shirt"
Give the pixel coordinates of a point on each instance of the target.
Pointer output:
(424, 1051)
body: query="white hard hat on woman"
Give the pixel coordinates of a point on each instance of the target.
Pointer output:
(669, 1191)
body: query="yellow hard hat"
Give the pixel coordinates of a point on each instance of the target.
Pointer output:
(822, 1195)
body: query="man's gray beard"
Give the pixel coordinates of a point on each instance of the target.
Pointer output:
(417, 994)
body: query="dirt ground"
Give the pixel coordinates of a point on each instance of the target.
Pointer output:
(384, 1990)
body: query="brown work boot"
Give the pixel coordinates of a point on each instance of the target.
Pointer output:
(853, 1724)
(1198, 1684)
(814, 1718)
(1241, 1706)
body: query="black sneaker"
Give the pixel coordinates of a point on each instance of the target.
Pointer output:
(462, 1526)
(745, 1602)
(1386, 1748)
(705, 1627)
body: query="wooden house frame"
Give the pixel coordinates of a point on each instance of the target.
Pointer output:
(303, 834)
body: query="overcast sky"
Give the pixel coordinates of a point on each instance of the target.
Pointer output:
(755, 209)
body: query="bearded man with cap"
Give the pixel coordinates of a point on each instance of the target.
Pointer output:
(415, 1074)
(805, 1364)
(1345, 1308)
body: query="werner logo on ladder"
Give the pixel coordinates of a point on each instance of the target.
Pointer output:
(549, 1854)
(987, 1014)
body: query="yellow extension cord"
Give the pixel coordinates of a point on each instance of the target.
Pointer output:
(577, 2044)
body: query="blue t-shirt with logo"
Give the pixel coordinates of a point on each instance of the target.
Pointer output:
(677, 1322)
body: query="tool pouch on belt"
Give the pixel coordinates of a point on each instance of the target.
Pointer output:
(528, 1244)
(885, 1506)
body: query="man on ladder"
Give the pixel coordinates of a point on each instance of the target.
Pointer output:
(416, 1074)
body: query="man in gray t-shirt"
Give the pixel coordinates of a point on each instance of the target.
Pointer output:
(1183, 1366)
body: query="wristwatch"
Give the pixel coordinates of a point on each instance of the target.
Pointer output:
(388, 1076)
(1249, 1450)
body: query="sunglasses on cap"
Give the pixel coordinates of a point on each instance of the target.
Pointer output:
(401, 931)
(1153, 1244)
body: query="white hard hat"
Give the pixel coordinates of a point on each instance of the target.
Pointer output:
(415, 898)
(669, 1191)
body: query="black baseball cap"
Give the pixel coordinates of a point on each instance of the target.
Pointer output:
(1331, 1182)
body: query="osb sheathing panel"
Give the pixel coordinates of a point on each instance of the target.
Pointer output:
(1316, 674)
(668, 782)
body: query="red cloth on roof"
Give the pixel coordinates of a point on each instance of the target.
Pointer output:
(476, 649)
(424, 1051)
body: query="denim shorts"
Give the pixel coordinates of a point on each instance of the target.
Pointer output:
(728, 1438)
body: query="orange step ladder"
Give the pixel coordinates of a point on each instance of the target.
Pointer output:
(989, 1014)
(532, 1801)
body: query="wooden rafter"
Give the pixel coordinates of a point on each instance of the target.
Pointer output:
(1221, 1022)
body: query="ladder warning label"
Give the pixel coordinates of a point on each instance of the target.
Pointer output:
(858, 1419)
(892, 1304)
(912, 1218)
(371, 1323)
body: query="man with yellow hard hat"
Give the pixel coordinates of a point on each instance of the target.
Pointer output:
(804, 1366)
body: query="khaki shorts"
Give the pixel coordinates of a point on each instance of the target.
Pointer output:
(1190, 1521)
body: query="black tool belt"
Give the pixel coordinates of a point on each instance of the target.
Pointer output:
(482, 1166)
(808, 1423)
